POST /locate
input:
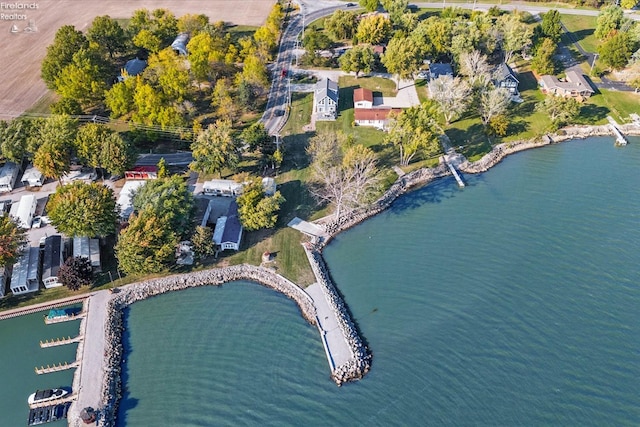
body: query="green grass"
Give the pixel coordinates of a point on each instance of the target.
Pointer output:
(614, 103)
(383, 87)
(582, 28)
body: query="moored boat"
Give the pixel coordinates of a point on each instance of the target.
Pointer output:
(41, 396)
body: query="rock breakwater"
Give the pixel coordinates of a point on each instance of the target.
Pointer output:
(127, 295)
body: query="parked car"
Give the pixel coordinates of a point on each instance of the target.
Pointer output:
(37, 222)
(422, 75)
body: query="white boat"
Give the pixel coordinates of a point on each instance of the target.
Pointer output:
(46, 395)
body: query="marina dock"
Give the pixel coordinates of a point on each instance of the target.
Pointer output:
(59, 341)
(48, 413)
(56, 368)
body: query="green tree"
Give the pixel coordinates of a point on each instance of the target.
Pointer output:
(342, 24)
(115, 154)
(215, 148)
(257, 210)
(415, 131)
(171, 74)
(255, 136)
(202, 52)
(55, 138)
(68, 106)
(80, 209)
(498, 125)
(83, 79)
(401, 58)
(13, 139)
(60, 53)
(75, 273)
(370, 5)
(107, 34)
(193, 24)
(616, 51)
(357, 59)
(120, 98)
(202, 240)
(163, 172)
(145, 39)
(254, 72)
(314, 41)
(560, 110)
(89, 141)
(609, 20)
(169, 198)
(516, 35)
(147, 245)
(433, 37)
(222, 99)
(543, 62)
(396, 9)
(373, 29)
(12, 240)
(160, 23)
(551, 26)
(628, 4)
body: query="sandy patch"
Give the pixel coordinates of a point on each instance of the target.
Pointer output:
(22, 52)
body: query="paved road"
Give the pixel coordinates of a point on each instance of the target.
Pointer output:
(528, 7)
(275, 115)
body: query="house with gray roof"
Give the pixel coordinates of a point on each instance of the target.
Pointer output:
(325, 100)
(573, 86)
(228, 231)
(440, 69)
(505, 77)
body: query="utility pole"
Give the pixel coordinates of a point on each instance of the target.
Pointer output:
(593, 62)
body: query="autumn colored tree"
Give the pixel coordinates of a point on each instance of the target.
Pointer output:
(12, 240)
(215, 148)
(75, 273)
(358, 59)
(373, 29)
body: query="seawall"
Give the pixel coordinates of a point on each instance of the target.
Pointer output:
(114, 327)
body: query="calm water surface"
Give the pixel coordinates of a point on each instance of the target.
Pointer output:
(514, 301)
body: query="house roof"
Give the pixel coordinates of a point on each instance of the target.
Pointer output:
(378, 49)
(327, 87)
(52, 256)
(574, 81)
(180, 44)
(135, 66)
(440, 69)
(232, 227)
(579, 80)
(374, 113)
(503, 71)
(362, 94)
(31, 174)
(8, 173)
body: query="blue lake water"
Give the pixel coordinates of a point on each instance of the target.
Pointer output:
(514, 301)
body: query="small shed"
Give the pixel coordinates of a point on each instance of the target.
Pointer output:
(26, 272)
(269, 186)
(24, 210)
(222, 187)
(228, 231)
(52, 260)
(133, 67)
(8, 177)
(180, 44)
(89, 249)
(32, 177)
(142, 172)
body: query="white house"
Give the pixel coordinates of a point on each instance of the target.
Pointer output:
(228, 231)
(125, 199)
(25, 272)
(222, 187)
(325, 100)
(52, 259)
(89, 249)
(32, 177)
(374, 117)
(24, 210)
(8, 177)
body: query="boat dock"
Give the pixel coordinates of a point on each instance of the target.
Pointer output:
(620, 139)
(56, 368)
(66, 399)
(59, 341)
(48, 413)
(455, 174)
(66, 315)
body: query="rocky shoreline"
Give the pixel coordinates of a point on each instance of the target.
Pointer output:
(114, 327)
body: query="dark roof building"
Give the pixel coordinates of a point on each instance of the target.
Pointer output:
(440, 69)
(503, 76)
(52, 260)
(326, 100)
(228, 231)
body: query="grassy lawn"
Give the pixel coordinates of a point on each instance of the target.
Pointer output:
(378, 85)
(582, 28)
(614, 103)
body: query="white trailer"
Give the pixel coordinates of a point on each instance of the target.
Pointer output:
(24, 210)
(222, 187)
(8, 177)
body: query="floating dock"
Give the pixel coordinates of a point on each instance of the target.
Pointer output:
(56, 368)
(59, 341)
(65, 315)
(47, 414)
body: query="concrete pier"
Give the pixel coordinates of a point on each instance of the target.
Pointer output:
(620, 139)
(59, 341)
(57, 368)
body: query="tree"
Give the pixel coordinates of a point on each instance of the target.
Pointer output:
(561, 110)
(80, 209)
(171, 74)
(347, 180)
(401, 58)
(314, 41)
(55, 137)
(60, 53)
(452, 95)
(475, 67)
(193, 24)
(215, 148)
(89, 141)
(223, 101)
(551, 26)
(609, 20)
(415, 131)
(75, 273)
(12, 240)
(162, 168)
(147, 245)
(342, 24)
(616, 51)
(433, 37)
(168, 198)
(498, 125)
(396, 9)
(628, 4)
(13, 139)
(543, 62)
(357, 59)
(493, 102)
(373, 29)
(120, 98)
(115, 154)
(202, 53)
(160, 24)
(370, 5)
(257, 210)
(635, 84)
(202, 241)
(516, 36)
(145, 39)
(83, 79)
(107, 34)
(255, 136)
(254, 72)
(68, 106)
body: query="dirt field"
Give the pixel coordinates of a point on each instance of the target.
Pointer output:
(21, 52)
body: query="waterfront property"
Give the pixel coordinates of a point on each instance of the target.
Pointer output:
(365, 114)
(26, 272)
(228, 231)
(89, 249)
(505, 77)
(573, 86)
(52, 259)
(325, 100)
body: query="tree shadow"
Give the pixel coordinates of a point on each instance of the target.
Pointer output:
(582, 34)
(517, 126)
(299, 201)
(590, 113)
